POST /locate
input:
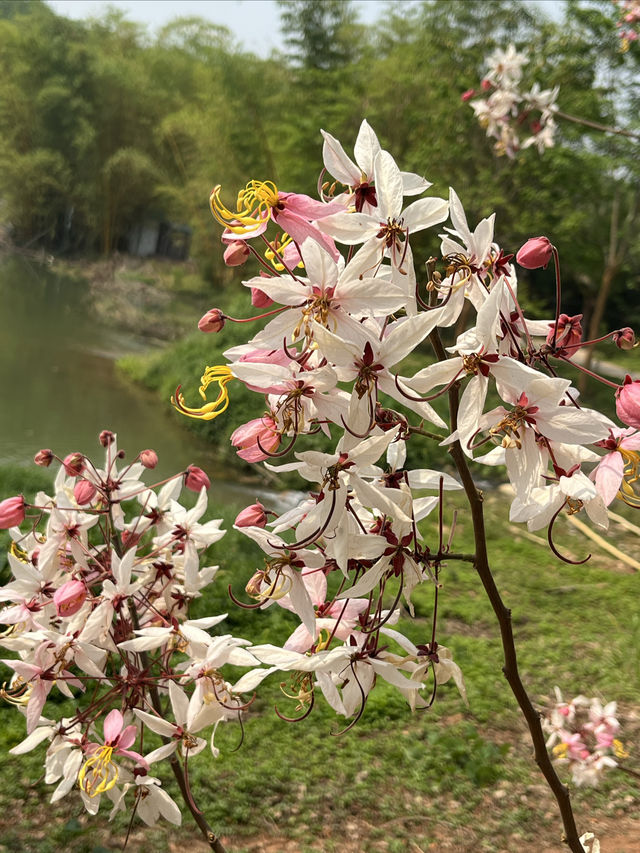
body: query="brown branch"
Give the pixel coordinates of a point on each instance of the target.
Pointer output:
(212, 839)
(605, 128)
(503, 615)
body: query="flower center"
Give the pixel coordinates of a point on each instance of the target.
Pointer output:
(98, 774)
(253, 205)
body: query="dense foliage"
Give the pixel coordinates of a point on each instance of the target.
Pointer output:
(104, 127)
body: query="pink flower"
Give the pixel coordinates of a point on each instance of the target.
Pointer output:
(149, 458)
(84, 492)
(195, 479)
(628, 402)
(535, 253)
(212, 321)
(69, 598)
(252, 516)
(11, 512)
(74, 464)
(256, 437)
(466, 96)
(44, 458)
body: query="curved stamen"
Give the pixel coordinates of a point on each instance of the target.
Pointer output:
(553, 547)
(241, 603)
(360, 712)
(428, 399)
(277, 453)
(297, 719)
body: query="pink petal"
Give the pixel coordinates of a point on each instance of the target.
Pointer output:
(113, 723)
(127, 737)
(300, 229)
(608, 476)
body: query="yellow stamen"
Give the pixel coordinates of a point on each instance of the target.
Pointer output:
(560, 750)
(276, 251)
(18, 692)
(16, 551)
(220, 374)
(98, 774)
(630, 476)
(619, 750)
(323, 640)
(253, 206)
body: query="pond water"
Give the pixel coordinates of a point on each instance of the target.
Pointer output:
(60, 386)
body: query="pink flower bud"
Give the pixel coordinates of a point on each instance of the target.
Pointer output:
(259, 298)
(628, 402)
(236, 253)
(149, 458)
(256, 439)
(69, 598)
(44, 458)
(11, 512)
(106, 437)
(212, 321)
(569, 334)
(535, 253)
(74, 464)
(252, 516)
(84, 492)
(466, 96)
(486, 85)
(624, 338)
(195, 479)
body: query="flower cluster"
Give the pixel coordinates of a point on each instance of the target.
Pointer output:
(628, 23)
(97, 610)
(583, 735)
(509, 112)
(330, 359)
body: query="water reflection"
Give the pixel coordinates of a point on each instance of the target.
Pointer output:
(60, 385)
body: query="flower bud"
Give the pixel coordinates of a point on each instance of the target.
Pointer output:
(628, 402)
(106, 437)
(256, 439)
(252, 516)
(236, 253)
(44, 458)
(69, 598)
(466, 96)
(195, 479)
(11, 512)
(84, 492)
(212, 321)
(149, 458)
(74, 464)
(259, 298)
(624, 338)
(535, 253)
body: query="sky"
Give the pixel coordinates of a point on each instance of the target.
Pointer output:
(255, 23)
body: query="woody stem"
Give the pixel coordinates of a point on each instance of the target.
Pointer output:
(503, 615)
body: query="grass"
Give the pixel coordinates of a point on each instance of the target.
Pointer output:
(449, 775)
